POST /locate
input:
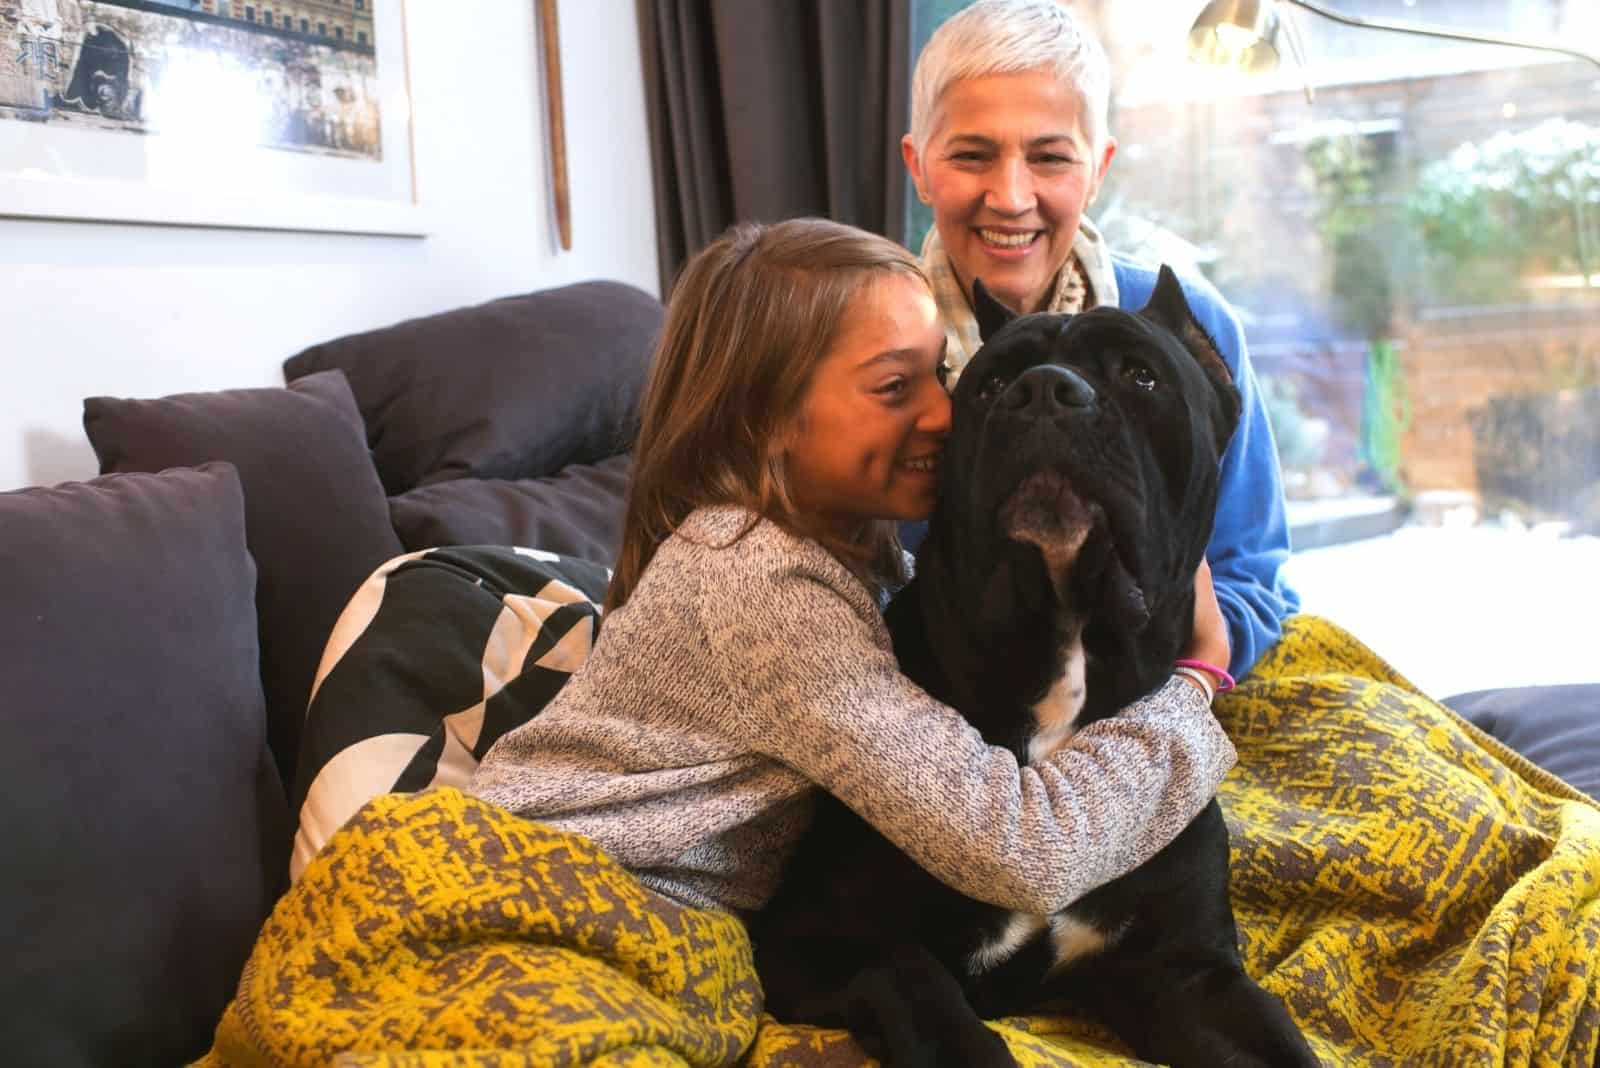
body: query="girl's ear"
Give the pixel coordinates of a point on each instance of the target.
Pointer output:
(787, 433)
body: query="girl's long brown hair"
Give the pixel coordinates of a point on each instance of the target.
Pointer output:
(748, 321)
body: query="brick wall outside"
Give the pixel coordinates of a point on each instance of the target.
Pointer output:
(1455, 364)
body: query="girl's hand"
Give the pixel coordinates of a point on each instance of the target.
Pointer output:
(1209, 642)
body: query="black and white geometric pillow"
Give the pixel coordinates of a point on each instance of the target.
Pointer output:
(436, 656)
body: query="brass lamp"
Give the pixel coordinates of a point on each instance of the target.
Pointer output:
(1244, 35)
(1239, 35)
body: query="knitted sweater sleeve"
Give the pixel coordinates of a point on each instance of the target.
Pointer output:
(818, 688)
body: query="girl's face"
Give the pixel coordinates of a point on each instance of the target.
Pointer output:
(1009, 171)
(873, 421)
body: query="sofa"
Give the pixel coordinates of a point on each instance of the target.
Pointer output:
(170, 630)
(163, 624)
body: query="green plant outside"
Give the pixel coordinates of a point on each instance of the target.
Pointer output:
(1517, 204)
(1367, 254)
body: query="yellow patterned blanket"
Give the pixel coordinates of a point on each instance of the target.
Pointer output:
(1417, 895)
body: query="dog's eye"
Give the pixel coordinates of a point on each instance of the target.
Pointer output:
(992, 387)
(1140, 376)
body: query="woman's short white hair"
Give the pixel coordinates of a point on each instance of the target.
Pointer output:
(1011, 37)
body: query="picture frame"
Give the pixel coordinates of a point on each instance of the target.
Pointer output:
(271, 114)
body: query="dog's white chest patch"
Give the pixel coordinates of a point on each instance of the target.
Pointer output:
(1070, 939)
(1055, 717)
(1073, 939)
(1019, 930)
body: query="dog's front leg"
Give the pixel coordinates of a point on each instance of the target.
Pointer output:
(904, 1007)
(1191, 1014)
(911, 1013)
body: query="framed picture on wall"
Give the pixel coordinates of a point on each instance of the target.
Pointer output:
(262, 114)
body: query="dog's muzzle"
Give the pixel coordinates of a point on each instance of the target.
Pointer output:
(1045, 512)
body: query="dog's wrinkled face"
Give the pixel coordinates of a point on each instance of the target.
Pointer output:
(1094, 439)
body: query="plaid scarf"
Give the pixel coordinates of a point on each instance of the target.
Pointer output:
(1084, 281)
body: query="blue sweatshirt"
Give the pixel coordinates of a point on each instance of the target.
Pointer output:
(1251, 540)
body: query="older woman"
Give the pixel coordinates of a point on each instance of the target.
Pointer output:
(1009, 145)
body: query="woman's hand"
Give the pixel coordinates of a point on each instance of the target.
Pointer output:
(1209, 642)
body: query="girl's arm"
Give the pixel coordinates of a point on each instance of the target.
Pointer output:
(806, 658)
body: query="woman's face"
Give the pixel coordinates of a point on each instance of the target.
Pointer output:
(874, 417)
(1009, 171)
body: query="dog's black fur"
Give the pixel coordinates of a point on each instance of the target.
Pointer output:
(1077, 494)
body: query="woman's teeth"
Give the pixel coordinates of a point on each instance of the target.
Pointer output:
(925, 463)
(995, 237)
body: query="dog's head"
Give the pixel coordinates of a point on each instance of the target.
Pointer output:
(1082, 471)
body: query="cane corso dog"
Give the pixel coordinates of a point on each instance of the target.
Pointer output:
(1054, 587)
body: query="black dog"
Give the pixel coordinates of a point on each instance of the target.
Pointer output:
(1077, 495)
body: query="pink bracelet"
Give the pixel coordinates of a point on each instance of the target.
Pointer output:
(1224, 680)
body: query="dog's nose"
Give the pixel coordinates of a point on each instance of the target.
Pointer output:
(1048, 390)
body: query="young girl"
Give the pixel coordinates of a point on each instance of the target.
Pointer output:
(794, 412)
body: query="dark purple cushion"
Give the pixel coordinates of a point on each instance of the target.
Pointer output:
(316, 519)
(515, 388)
(1556, 727)
(576, 513)
(145, 831)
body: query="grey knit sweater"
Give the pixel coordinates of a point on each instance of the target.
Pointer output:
(743, 673)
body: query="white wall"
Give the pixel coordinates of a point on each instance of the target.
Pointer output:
(140, 311)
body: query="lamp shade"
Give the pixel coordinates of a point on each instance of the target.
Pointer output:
(1240, 35)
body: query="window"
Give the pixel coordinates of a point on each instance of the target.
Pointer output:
(249, 14)
(305, 25)
(266, 18)
(361, 37)
(1415, 255)
(338, 33)
(361, 5)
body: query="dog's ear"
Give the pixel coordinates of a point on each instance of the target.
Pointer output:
(992, 315)
(1170, 308)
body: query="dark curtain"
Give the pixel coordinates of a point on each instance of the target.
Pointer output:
(769, 109)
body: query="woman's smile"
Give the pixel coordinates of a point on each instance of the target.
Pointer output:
(1009, 246)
